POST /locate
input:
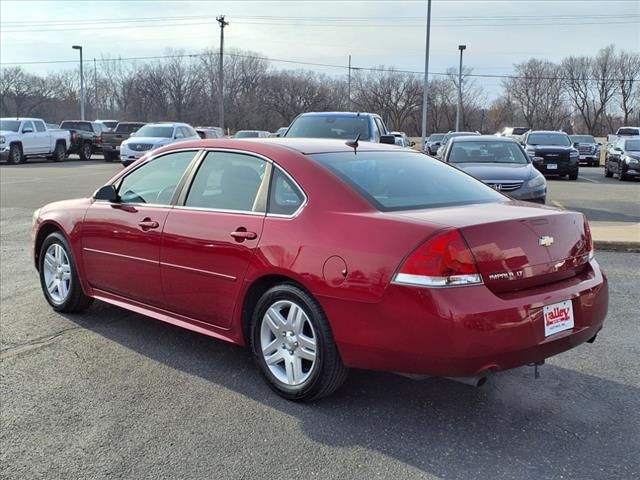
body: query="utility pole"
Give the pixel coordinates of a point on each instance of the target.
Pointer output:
(349, 84)
(221, 21)
(95, 85)
(459, 111)
(79, 47)
(425, 90)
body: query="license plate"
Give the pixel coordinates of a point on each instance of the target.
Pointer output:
(558, 317)
(552, 166)
(583, 157)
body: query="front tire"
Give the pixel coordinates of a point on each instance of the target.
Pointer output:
(59, 276)
(293, 345)
(573, 175)
(85, 151)
(15, 154)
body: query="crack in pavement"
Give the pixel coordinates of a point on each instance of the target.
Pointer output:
(36, 343)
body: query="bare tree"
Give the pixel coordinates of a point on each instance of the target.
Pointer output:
(628, 73)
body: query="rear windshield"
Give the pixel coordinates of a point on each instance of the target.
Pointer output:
(632, 145)
(557, 139)
(628, 131)
(486, 152)
(128, 127)
(247, 134)
(154, 131)
(10, 125)
(406, 180)
(520, 130)
(582, 139)
(436, 137)
(320, 126)
(84, 126)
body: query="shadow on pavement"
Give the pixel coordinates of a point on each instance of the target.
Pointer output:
(514, 427)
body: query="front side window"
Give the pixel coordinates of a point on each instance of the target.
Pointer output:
(406, 180)
(486, 152)
(632, 145)
(155, 182)
(27, 126)
(229, 181)
(285, 198)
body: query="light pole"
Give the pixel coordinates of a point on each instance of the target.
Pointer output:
(425, 88)
(79, 47)
(459, 112)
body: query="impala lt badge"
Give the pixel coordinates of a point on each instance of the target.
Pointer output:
(545, 241)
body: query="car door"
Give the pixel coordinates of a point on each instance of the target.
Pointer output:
(210, 238)
(42, 141)
(121, 240)
(29, 141)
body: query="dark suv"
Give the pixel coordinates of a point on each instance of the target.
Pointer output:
(552, 153)
(86, 137)
(623, 158)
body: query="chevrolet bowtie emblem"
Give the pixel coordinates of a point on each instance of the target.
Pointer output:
(545, 241)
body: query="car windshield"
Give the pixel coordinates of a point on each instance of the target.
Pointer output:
(486, 152)
(127, 127)
(330, 126)
(520, 130)
(436, 137)
(582, 139)
(247, 134)
(405, 180)
(632, 146)
(555, 139)
(628, 131)
(10, 125)
(158, 131)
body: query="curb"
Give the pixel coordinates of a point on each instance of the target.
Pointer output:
(615, 246)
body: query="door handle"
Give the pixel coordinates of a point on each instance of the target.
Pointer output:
(241, 235)
(148, 224)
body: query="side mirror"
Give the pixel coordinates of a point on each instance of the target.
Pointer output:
(388, 139)
(600, 143)
(107, 193)
(27, 130)
(575, 144)
(412, 144)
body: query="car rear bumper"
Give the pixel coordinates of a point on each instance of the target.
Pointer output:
(466, 330)
(4, 154)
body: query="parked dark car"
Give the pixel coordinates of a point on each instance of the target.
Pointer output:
(111, 141)
(588, 149)
(501, 163)
(320, 259)
(552, 153)
(368, 127)
(86, 137)
(623, 158)
(433, 143)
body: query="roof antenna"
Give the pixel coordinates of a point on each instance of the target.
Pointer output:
(353, 144)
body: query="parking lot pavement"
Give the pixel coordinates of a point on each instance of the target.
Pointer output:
(112, 394)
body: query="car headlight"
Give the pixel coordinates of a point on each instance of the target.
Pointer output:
(531, 152)
(626, 159)
(536, 181)
(35, 217)
(574, 154)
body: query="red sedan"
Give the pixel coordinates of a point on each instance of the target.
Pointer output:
(322, 257)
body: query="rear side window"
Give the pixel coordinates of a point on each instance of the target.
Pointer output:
(405, 180)
(285, 198)
(40, 126)
(228, 181)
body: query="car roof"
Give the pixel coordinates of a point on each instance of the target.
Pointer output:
(338, 114)
(21, 119)
(547, 131)
(492, 138)
(174, 124)
(305, 146)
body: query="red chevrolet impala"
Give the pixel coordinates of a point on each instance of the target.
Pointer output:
(323, 257)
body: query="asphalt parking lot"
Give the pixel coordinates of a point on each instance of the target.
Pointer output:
(112, 394)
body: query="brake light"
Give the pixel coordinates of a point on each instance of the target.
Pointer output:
(588, 238)
(74, 136)
(100, 138)
(442, 261)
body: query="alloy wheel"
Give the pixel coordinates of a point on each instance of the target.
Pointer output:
(288, 343)
(57, 273)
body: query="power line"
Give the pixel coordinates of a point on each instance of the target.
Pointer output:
(313, 64)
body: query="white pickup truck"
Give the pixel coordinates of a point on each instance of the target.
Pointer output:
(21, 138)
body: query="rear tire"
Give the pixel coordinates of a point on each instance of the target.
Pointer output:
(59, 277)
(299, 337)
(59, 153)
(85, 151)
(607, 172)
(573, 176)
(15, 154)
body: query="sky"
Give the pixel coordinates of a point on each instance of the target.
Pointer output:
(391, 33)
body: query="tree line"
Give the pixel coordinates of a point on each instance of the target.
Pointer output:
(580, 94)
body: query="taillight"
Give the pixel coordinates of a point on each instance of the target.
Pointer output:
(100, 138)
(442, 261)
(74, 137)
(588, 238)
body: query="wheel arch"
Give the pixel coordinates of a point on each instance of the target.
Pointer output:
(44, 231)
(257, 288)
